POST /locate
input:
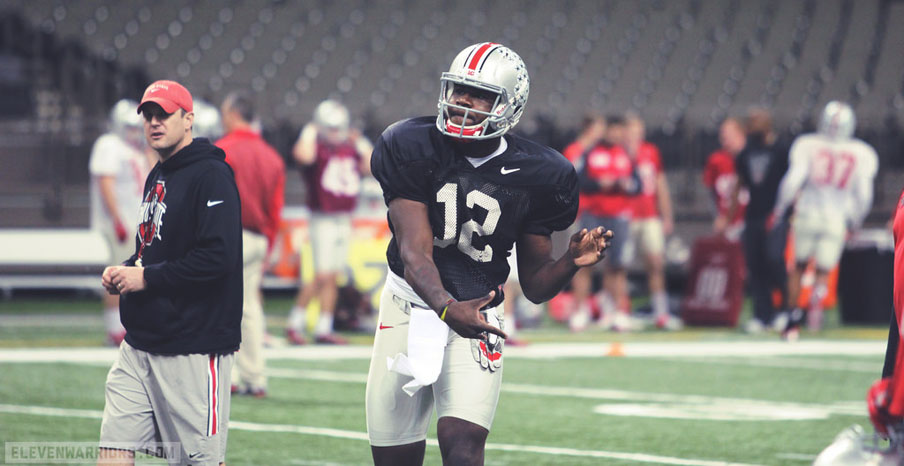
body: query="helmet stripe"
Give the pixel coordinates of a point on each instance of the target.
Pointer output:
(475, 59)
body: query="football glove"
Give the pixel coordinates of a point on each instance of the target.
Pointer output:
(488, 352)
(121, 234)
(877, 402)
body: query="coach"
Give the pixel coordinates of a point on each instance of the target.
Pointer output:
(180, 298)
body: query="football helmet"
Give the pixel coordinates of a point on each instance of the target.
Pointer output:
(127, 124)
(491, 67)
(838, 120)
(332, 120)
(123, 116)
(208, 123)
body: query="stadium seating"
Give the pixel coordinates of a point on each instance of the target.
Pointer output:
(683, 65)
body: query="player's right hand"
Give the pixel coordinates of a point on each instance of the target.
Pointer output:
(465, 319)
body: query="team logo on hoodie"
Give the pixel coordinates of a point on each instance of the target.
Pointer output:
(151, 214)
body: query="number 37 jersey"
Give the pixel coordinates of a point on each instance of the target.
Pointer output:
(836, 177)
(476, 213)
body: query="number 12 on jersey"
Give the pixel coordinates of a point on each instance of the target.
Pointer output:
(448, 197)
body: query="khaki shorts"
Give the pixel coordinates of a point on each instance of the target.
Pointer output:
(183, 399)
(330, 238)
(646, 237)
(463, 390)
(818, 238)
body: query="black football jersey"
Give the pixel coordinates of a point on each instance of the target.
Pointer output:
(476, 213)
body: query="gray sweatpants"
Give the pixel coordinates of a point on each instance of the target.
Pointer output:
(175, 406)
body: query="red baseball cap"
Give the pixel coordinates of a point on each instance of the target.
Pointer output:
(170, 95)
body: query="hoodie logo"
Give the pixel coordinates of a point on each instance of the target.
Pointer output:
(151, 214)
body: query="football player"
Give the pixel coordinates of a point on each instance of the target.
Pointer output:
(461, 191)
(334, 157)
(118, 167)
(720, 176)
(830, 175)
(651, 217)
(885, 398)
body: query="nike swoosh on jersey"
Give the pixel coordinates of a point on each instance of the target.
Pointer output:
(506, 172)
(383, 327)
(213, 203)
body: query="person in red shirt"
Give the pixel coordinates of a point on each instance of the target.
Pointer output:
(334, 157)
(651, 217)
(607, 183)
(720, 177)
(593, 130)
(260, 176)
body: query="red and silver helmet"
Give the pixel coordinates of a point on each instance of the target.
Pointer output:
(127, 124)
(208, 123)
(838, 120)
(332, 120)
(490, 67)
(123, 116)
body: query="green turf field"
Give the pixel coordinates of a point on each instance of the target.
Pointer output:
(664, 402)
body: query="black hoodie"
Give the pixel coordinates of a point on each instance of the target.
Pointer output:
(190, 244)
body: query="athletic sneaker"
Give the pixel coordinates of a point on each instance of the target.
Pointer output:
(295, 337)
(255, 392)
(579, 321)
(330, 339)
(792, 334)
(754, 326)
(624, 322)
(669, 322)
(792, 329)
(780, 321)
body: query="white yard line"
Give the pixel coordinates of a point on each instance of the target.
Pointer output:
(354, 435)
(534, 351)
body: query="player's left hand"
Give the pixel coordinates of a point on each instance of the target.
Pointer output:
(488, 351)
(466, 319)
(128, 279)
(587, 247)
(121, 234)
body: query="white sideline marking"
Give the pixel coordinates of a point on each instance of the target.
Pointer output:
(534, 351)
(352, 435)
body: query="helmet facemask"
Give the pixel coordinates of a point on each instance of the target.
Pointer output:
(492, 124)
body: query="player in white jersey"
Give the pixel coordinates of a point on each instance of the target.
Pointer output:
(118, 167)
(830, 183)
